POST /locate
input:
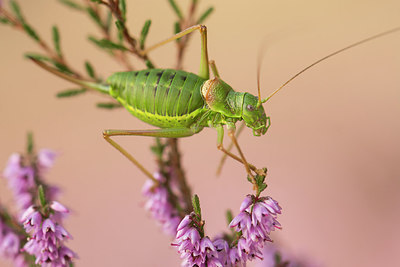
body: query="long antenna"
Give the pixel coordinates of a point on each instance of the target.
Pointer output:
(331, 55)
(259, 61)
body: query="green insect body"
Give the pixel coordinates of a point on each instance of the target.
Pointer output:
(181, 104)
(164, 98)
(169, 98)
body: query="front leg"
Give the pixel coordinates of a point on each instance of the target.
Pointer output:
(241, 159)
(168, 133)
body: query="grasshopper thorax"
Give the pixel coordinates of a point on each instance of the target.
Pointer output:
(220, 97)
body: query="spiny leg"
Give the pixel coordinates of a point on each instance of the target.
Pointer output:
(223, 158)
(204, 71)
(168, 133)
(231, 134)
(220, 144)
(238, 132)
(220, 136)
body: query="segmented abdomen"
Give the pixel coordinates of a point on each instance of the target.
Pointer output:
(159, 94)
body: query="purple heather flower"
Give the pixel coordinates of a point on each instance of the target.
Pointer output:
(10, 244)
(21, 180)
(257, 218)
(159, 206)
(194, 249)
(45, 159)
(47, 236)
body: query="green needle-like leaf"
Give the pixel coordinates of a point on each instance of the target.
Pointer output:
(37, 57)
(177, 29)
(145, 31)
(71, 92)
(158, 148)
(120, 27)
(176, 9)
(196, 205)
(29, 143)
(72, 4)
(205, 15)
(122, 7)
(42, 197)
(62, 67)
(95, 17)
(16, 10)
(149, 64)
(107, 44)
(56, 40)
(31, 32)
(109, 105)
(4, 20)
(90, 70)
(229, 216)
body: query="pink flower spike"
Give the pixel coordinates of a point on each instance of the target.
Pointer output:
(206, 244)
(185, 222)
(46, 158)
(48, 226)
(246, 202)
(28, 213)
(57, 206)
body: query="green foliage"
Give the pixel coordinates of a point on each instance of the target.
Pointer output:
(177, 28)
(56, 40)
(29, 143)
(31, 32)
(37, 57)
(72, 4)
(90, 70)
(149, 64)
(108, 105)
(94, 16)
(122, 7)
(158, 148)
(71, 92)
(42, 197)
(196, 206)
(259, 179)
(4, 20)
(120, 27)
(228, 216)
(145, 31)
(16, 10)
(176, 9)
(107, 44)
(61, 67)
(205, 15)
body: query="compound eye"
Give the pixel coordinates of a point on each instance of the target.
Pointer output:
(250, 107)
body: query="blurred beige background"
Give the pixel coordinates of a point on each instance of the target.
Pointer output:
(333, 149)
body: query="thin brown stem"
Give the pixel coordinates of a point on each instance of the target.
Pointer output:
(175, 159)
(51, 53)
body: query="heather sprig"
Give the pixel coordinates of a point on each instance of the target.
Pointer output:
(40, 231)
(169, 199)
(47, 235)
(159, 205)
(12, 239)
(253, 225)
(24, 173)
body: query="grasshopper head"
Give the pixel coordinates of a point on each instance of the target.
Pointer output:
(254, 115)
